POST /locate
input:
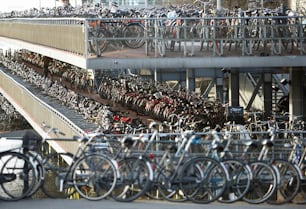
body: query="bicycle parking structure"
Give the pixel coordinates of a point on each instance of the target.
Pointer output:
(153, 153)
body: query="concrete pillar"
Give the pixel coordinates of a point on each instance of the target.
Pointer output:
(234, 89)
(155, 75)
(190, 80)
(292, 4)
(225, 97)
(219, 89)
(267, 88)
(219, 7)
(297, 93)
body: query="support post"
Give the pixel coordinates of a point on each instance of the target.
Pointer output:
(190, 80)
(219, 89)
(155, 75)
(297, 93)
(219, 2)
(234, 88)
(267, 87)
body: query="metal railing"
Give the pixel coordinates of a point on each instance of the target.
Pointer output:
(180, 37)
(60, 33)
(36, 111)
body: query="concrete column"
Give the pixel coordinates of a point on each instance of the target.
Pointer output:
(225, 97)
(297, 93)
(155, 75)
(190, 80)
(267, 88)
(219, 7)
(292, 4)
(219, 89)
(234, 89)
(187, 79)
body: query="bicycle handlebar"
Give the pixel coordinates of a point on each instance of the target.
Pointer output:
(56, 131)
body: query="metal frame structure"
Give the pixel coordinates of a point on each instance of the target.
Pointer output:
(191, 37)
(242, 47)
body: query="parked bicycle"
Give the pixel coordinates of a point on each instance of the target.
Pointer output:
(116, 32)
(17, 176)
(240, 174)
(181, 176)
(59, 175)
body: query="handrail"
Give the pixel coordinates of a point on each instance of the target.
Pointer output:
(275, 34)
(6, 89)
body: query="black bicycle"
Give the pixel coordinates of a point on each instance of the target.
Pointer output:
(116, 32)
(17, 176)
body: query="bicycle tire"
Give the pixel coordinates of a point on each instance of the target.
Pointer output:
(153, 192)
(40, 171)
(238, 184)
(135, 179)
(263, 184)
(94, 176)
(169, 189)
(99, 44)
(207, 186)
(289, 184)
(302, 193)
(40, 176)
(55, 170)
(134, 32)
(17, 174)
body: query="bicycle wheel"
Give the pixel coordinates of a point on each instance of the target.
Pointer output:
(153, 192)
(207, 185)
(135, 179)
(17, 176)
(36, 160)
(134, 34)
(168, 186)
(289, 183)
(40, 175)
(263, 184)
(239, 181)
(301, 199)
(94, 176)
(99, 44)
(56, 168)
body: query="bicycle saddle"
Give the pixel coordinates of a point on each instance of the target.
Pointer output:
(252, 144)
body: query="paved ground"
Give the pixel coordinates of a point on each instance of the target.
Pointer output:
(46, 203)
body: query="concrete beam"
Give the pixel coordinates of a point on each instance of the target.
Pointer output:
(197, 62)
(267, 64)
